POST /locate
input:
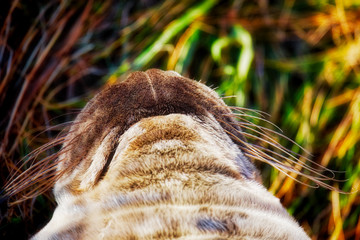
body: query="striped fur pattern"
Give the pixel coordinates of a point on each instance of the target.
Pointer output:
(158, 157)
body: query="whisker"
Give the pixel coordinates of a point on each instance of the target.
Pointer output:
(299, 163)
(317, 182)
(34, 154)
(291, 153)
(244, 110)
(259, 153)
(275, 144)
(285, 151)
(62, 126)
(265, 129)
(283, 168)
(37, 172)
(238, 116)
(32, 172)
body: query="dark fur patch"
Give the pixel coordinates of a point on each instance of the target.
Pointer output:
(128, 102)
(212, 225)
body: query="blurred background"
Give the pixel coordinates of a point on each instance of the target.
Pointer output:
(297, 60)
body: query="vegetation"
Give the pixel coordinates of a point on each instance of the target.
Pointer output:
(299, 61)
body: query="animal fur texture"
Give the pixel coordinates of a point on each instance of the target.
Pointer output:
(159, 156)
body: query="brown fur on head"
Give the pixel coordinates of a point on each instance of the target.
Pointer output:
(141, 95)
